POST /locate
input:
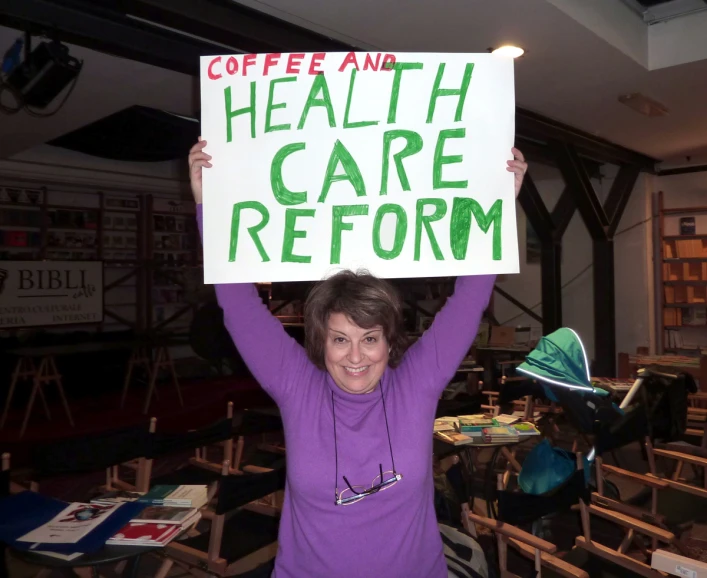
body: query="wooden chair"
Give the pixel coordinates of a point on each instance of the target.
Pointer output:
(106, 451)
(268, 455)
(224, 449)
(514, 509)
(222, 550)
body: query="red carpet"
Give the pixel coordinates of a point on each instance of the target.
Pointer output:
(204, 402)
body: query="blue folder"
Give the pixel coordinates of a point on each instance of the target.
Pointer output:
(23, 512)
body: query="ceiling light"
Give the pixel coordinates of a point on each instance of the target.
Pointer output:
(508, 50)
(643, 105)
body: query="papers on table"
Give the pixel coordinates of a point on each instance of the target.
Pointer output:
(71, 524)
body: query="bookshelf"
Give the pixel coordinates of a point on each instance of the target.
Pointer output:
(683, 278)
(149, 246)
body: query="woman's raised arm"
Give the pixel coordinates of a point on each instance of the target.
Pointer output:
(276, 360)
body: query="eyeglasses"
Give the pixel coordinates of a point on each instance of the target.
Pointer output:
(353, 494)
(383, 481)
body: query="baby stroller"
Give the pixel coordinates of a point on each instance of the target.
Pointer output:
(554, 480)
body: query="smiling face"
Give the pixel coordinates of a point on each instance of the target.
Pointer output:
(355, 357)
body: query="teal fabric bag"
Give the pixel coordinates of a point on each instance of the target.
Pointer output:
(545, 469)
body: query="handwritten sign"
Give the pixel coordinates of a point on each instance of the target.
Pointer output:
(41, 293)
(391, 162)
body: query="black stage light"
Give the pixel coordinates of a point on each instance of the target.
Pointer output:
(40, 78)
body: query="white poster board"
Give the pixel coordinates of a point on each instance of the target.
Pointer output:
(395, 163)
(43, 293)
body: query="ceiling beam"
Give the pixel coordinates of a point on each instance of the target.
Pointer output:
(618, 196)
(173, 34)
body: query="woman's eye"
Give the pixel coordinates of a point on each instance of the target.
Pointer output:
(371, 340)
(339, 340)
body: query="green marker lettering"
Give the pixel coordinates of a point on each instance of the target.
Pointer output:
(460, 92)
(253, 231)
(413, 145)
(272, 106)
(231, 114)
(399, 67)
(351, 172)
(283, 195)
(291, 234)
(401, 227)
(359, 123)
(338, 212)
(421, 220)
(460, 225)
(441, 159)
(319, 84)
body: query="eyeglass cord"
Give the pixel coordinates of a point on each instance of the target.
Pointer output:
(336, 453)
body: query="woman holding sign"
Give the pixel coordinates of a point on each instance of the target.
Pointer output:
(358, 408)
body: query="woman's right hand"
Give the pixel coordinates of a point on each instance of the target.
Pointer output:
(197, 159)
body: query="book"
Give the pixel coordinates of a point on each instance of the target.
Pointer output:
(137, 533)
(687, 226)
(165, 515)
(116, 497)
(505, 419)
(456, 439)
(526, 429)
(71, 524)
(187, 496)
(499, 434)
(475, 423)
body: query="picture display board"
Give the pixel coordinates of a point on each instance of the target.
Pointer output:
(395, 163)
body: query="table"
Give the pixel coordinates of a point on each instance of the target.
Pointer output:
(106, 555)
(38, 365)
(469, 457)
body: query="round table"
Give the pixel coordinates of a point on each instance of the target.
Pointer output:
(106, 555)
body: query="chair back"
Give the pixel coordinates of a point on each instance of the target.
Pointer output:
(91, 453)
(172, 442)
(521, 508)
(254, 422)
(237, 490)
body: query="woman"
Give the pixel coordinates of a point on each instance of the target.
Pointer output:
(358, 410)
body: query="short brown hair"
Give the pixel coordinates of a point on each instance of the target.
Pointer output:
(366, 300)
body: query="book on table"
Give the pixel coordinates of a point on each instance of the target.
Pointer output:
(475, 423)
(189, 496)
(71, 524)
(166, 515)
(138, 533)
(117, 497)
(456, 438)
(526, 429)
(500, 434)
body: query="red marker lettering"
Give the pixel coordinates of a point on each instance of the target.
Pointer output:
(369, 62)
(388, 62)
(293, 61)
(248, 60)
(232, 65)
(213, 76)
(270, 61)
(350, 59)
(316, 61)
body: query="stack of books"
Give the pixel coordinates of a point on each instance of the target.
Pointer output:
(499, 435)
(525, 428)
(474, 424)
(168, 511)
(155, 526)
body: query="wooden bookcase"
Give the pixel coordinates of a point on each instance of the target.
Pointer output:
(149, 246)
(683, 280)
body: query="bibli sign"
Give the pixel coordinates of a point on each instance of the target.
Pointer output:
(42, 293)
(391, 162)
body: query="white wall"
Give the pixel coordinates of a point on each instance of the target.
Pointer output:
(633, 267)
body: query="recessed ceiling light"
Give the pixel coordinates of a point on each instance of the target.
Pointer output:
(508, 50)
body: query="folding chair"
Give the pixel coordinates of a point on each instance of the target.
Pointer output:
(242, 535)
(201, 454)
(100, 451)
(267, 455)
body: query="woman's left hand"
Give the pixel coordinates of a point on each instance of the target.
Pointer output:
(519, 167)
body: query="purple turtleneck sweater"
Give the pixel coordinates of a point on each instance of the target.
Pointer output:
(388, 534)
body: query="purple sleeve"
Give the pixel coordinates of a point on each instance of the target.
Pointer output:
(438, 353)
(274, 358)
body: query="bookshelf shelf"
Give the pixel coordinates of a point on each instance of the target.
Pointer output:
(682, 272)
